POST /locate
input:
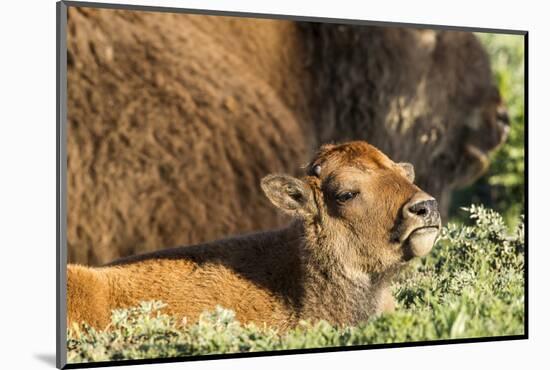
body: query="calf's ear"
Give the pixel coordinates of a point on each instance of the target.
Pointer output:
(409, 170)
(291, 195)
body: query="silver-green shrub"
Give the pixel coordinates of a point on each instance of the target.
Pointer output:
(471, 285)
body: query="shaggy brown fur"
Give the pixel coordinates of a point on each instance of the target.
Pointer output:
(173, 119)
(334, 262)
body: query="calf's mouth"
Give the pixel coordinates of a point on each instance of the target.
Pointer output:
(421, 224)
(421, 240)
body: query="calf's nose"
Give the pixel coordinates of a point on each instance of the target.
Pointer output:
(424, 207)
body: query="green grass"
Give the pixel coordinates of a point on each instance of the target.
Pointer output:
(471, 285)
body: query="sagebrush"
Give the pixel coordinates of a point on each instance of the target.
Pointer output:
(472, 285)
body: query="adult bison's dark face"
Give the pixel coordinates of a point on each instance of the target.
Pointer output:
(477, 117)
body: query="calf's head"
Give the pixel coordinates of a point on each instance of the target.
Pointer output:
(359, 207)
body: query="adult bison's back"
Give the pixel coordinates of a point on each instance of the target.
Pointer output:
(173, 119)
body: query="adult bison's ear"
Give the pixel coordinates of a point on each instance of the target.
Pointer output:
(290, 194)
(409, 170)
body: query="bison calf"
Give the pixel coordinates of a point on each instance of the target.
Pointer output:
(358, 218)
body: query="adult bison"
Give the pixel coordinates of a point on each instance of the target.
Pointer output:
(173, 119)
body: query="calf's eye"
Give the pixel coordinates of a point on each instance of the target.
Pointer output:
(345, 196)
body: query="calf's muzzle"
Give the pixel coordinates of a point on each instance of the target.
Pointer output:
(422, 222)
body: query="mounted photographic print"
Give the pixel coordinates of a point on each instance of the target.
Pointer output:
(234, 184)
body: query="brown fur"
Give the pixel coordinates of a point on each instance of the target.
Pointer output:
(334, 262)
(173, 118)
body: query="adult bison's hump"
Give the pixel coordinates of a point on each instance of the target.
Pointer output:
(168, 136)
